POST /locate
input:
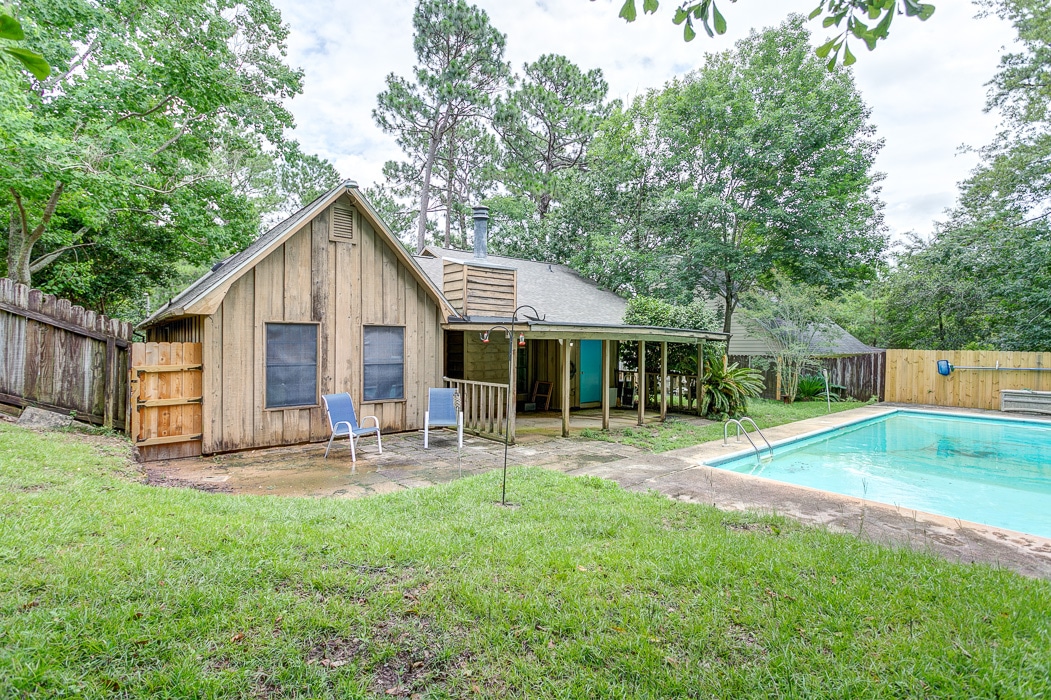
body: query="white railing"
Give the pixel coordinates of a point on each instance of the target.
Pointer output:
(484, 406)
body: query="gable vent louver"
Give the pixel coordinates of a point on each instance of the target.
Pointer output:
(342, 225)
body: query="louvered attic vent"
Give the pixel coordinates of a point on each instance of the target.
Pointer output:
(342, 227)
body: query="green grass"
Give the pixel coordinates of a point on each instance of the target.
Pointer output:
(676, 432)
(109, 588)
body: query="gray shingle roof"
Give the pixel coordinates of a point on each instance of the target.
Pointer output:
(559, 293)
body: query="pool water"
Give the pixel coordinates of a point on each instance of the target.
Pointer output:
(985, 470)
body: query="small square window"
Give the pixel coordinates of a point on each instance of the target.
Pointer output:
(384, 363)
(291, 364)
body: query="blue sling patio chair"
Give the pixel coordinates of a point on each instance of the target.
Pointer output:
(344, 422)
(443, 411)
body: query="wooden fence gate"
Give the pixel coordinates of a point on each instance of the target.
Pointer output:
(166, 394)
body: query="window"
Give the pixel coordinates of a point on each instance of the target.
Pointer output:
(384, 360)
(291, 364)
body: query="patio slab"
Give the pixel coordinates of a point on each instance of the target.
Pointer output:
(302, 470)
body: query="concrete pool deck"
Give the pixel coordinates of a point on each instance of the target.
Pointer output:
(682, 474)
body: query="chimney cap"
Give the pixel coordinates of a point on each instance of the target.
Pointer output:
(480, 212)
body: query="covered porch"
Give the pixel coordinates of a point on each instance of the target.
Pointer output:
(557, 377)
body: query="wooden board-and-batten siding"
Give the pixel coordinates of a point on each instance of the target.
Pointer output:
(62, 357)
(341, 286)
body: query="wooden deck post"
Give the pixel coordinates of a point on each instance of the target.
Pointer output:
(605, 383)
(664, 380)
(566, 354)
(642, 382)
(700, 378)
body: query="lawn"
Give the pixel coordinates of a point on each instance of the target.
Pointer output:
(676, 432)
(112, 588)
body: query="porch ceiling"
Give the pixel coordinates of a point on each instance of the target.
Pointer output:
(540, 330)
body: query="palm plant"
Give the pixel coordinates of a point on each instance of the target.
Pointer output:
(728, 388)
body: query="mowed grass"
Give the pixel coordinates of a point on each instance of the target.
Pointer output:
(109, 588)
(676, 432)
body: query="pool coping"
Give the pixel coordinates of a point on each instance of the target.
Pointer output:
(890, 410)
(683, 474)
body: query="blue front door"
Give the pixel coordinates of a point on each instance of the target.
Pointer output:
(590, 371)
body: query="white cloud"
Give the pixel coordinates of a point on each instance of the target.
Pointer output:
(926, 84)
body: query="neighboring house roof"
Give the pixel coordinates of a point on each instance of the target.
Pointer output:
(559, 293)
(204, 295)
(838, 342)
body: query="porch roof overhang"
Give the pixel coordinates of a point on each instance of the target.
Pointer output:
(543, 330)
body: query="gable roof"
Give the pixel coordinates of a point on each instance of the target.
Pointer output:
(204, 295)
(559, 293)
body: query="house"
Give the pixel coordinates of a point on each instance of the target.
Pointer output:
(329, 301)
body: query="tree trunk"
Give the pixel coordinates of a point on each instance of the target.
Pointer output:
(425, 197)
(729, 307)
(21, 239)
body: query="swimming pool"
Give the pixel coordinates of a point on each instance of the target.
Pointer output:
(986, 470)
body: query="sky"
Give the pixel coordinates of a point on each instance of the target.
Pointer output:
(926, 84)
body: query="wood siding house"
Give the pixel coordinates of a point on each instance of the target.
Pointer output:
(331, 276)
(329, 301)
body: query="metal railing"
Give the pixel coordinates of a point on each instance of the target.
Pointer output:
(742, 429)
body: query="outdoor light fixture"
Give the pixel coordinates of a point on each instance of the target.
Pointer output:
(511, 383)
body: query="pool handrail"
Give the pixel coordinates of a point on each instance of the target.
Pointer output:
(742, 429)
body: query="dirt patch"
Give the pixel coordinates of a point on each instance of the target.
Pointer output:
(403, 655)
(762, 528)
(157, 477)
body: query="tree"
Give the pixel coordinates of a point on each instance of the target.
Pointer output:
(841, 13)
(682, 358)
(792, 320)
(156, 140)
(983, 279)
(459, 69)
(769, 160)
(547, 124)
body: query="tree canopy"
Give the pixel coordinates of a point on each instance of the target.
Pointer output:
(158, 139)
(867, 20)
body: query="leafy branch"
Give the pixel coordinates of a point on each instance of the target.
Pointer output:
(11, 29)
(867, 20)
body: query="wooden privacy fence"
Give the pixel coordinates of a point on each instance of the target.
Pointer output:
(861, 376)
(912, 376)
(166, 400)
(62, 357)
(484, 406)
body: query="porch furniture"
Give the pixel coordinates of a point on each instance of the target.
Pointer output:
(542, 390)
(443, 411)
(344, 422)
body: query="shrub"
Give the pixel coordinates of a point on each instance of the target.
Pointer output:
(727, 389)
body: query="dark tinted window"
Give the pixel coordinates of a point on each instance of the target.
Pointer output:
(291, 364)
(384, 360)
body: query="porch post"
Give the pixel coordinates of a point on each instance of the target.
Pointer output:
(700, 378)
(664, 380)
(565, 386)
(605, 383)
(642, 382)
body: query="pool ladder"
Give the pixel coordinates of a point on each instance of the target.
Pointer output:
(742, 429)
